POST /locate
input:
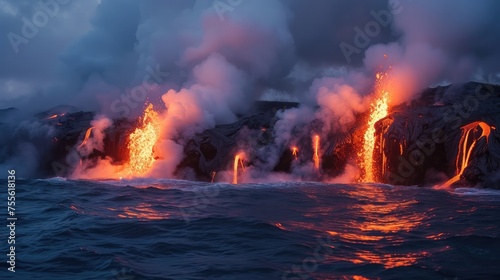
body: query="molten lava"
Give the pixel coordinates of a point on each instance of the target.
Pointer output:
(87, 135)
(238, 160)
(142, 142)
(52, 117)
(316, 152)
(378, 111)
(295, 152)
(466, 146)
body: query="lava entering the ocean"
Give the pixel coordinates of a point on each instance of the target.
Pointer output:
(466, 147)
(378, 111)
(238, 160)
(316, 151)
(142, 142)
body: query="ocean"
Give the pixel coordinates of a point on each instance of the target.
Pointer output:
(172, 229)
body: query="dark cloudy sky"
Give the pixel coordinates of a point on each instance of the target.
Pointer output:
(89, 53)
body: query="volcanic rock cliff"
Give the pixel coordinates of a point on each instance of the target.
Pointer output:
(448, 132)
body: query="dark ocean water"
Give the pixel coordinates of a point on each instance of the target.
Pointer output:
(167, 229)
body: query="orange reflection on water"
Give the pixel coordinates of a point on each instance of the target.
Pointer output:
(280, 226)
(385, 218)
(356, 237)
(438, 236)
(142, 211)
(389, 260)
(76, 209)
(382, 218)
(384, 215)
(376, 217)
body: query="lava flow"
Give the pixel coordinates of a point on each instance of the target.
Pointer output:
(378, 111)
(295, 152)
(466, 147)
(142, 142)
(316, 152)
(238, 160)
(87, 135)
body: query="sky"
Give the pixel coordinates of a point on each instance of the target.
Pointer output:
(112, 55)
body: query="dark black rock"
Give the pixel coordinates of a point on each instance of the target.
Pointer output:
(429, 131)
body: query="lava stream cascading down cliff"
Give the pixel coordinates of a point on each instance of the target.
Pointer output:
(466, 147)
(316, 151)
(295, 152)
(379, 110)
(87, 136)
(238, 161)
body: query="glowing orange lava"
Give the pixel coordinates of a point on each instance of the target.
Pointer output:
(378, 111)
(142, 142)
(238, 160)
(52, 117)
(87, 135)
(295, 151)
(466, 147)
(316, 152)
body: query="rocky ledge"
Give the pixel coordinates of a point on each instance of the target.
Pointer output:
(448, 132)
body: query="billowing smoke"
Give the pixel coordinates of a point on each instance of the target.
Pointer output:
(112, 47)
(339, 102)
(94, 141)
(23, 142)
(227, 58)
(441, 41)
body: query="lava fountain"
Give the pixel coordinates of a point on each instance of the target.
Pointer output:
(466, 146)
(142, 142)
(238, 160)
(379, 110)
(316, 151)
